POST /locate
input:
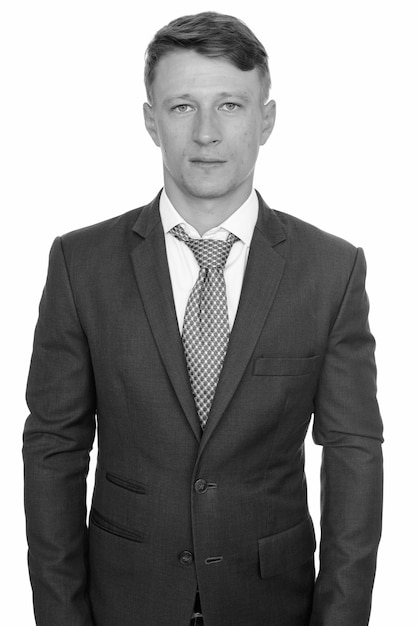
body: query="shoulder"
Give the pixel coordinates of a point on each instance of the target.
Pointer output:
(300, 239)
(114, 236)
(317, 254)
(102, 232)
(314, 240)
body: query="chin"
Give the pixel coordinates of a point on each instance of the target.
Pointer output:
(208, 191)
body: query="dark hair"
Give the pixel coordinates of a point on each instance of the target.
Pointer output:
(213, 35)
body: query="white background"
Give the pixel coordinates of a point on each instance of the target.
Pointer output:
(343, 156)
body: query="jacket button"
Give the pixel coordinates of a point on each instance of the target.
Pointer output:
(186, 557)
(200, 486)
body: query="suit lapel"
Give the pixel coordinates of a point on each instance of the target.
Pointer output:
(152, 275)
(261, 281)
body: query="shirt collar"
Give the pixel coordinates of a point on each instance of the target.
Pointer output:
(241, 222)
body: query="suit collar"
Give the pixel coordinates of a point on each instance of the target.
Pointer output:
(269, 223)
(148, 218)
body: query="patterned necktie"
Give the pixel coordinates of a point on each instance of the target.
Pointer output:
(206, 328)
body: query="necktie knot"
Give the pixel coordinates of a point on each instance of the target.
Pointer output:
(209, 253)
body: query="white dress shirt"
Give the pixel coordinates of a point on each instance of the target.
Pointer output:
(184, 269)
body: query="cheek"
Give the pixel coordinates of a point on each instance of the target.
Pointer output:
(248, 150)
(241, 146)
(248, 138)
(171, 143)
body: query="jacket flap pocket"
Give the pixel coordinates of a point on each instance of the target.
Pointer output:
(104, 523)
(287, 549)
(277, 366)
(126, 483)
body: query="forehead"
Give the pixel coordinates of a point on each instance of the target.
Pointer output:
(187, 72)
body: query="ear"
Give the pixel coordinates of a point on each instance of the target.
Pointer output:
(269, 118)
(150, 123)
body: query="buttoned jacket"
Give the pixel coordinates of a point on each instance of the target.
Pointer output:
(175, 509)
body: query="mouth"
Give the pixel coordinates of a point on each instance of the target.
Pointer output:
(206, 161)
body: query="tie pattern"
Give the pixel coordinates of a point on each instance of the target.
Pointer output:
(206, 328)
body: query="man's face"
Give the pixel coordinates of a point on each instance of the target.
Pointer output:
(209, 120)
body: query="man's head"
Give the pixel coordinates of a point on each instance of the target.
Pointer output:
(207, 80)
(213, 35)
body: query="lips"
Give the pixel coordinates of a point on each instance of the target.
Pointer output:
(207, 161)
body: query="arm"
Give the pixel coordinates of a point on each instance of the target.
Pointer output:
(348, 426)
(58, 437)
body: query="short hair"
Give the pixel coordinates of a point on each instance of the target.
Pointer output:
(212, 35)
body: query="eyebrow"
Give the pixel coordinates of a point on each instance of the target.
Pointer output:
(222, 95)
(237, 94)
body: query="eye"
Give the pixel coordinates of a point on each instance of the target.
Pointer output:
(182, 108)
(230, 107)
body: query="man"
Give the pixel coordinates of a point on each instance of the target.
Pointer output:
(202, 362)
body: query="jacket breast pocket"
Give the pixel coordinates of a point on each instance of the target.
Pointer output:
(286, 366)
(286, 550)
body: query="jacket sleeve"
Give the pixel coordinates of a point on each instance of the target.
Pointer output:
(347, 424)
(58, 437)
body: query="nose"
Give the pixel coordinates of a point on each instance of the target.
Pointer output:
(206, 128)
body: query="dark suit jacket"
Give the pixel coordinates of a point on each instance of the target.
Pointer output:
(173, 509)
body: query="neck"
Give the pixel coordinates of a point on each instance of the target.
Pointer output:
(205, 213)
(206, 216)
